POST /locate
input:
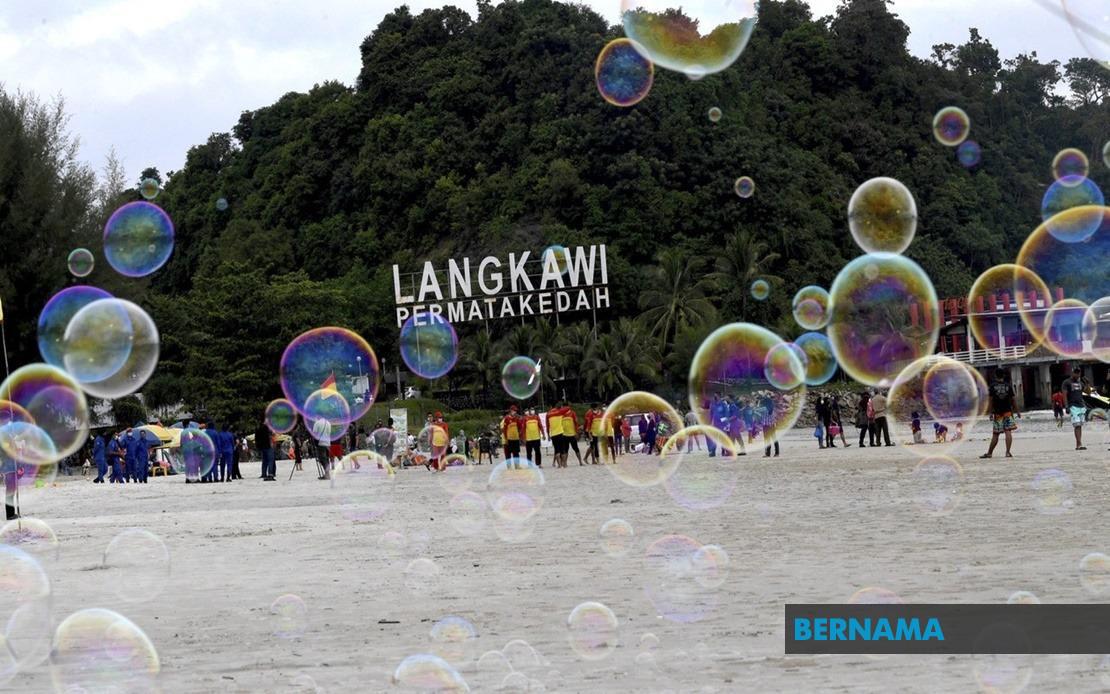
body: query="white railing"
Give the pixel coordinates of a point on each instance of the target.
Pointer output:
(975, 356)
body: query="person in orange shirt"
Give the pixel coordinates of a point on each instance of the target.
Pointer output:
(510, 433)
(555, 433)
(533, 433)
(570, 433)
(595, 427)
(441, 439)
(610, 439)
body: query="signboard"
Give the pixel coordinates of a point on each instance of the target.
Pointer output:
(559, 280)
(400, 424)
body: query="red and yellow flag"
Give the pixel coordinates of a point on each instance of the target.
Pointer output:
(328, 386)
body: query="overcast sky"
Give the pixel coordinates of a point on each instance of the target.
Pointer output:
(153, 79)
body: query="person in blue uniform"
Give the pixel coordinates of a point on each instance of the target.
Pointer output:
(100, 457)
(116, 455)
(226, 441)
(129, 441)
(142, 456)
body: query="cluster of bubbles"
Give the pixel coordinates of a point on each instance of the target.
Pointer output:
(516, 667)
(47, 415)
(111, 346)
(744, 187)
(698, 40)
(25, 603)
(623, 73)
(429, 345)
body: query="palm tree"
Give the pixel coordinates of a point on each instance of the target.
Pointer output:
(675, 297)
(574, 344)
(622, 359)
(485, 358)
(746, 258)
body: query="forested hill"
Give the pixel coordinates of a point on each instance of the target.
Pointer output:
(462, 136)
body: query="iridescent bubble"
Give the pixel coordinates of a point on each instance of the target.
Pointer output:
(98, 650)
(457, 475)
(993, 294)
(616, 537)
(1023, 597)
(623, 75)
(221, 204)
(80, 262)
(288, 616)
(592, 630)
(728, 369)
(281, 416)
(429, 673)
(1097, 322)
(639, 469)
(195, 455)
(469, 513)
(744, 187)
(1070, 166)
(700, 483)
(883, 315)
(138, 239)
(670, 574)
(33, 536)
(696, 40)
(882, 216)
(1052, 492)
(951, 126)
(1094, 573)
(138, 565)
(784, 366)
(1002, 673)
(521, 656)
(820, 362)
(936, 485)
(1064, 195)
(520, 377)
(364, 482)
(1082, 268)
(711, 566)
(454, 639)
(1068, 329)
(429, 345)
(142, 357)
(97, 342)
(969, 154)
(25, 623)
(56, 315)
(58, 408)
(330, 359)
(516, 489)
(760, 290)
(330, 407)
(557, 257)
(421, 576)
(811, 307)
(714, 115)
(149, 188)
(946, 397)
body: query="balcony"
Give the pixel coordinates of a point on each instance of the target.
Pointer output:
(984, 356)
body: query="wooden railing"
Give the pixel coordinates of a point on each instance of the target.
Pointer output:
(976, 356)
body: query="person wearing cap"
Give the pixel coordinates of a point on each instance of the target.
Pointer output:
(533, 434)
(510, 433)
(1073, 389)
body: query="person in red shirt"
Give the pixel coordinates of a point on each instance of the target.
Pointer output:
(510, 433)
(533, 433)
(570, 433)
(1058, 408)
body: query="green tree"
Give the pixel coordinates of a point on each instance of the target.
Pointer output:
(675, 297)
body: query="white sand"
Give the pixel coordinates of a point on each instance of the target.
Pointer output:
(807, 527)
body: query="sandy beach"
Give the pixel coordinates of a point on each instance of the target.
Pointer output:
(809, 526)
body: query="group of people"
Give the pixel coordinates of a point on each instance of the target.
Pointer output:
(604, 437)
(737, 418)
(126, 453)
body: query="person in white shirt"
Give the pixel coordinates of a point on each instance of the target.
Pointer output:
(321, 431)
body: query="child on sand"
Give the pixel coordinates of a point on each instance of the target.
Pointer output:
(915, 427)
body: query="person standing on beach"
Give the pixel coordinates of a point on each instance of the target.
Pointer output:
(570, 433)
(533, 434)
(863, 421)
(691, 420)
(1003, 410)
(100, 457)
(116, 454)
(1073, 388)
(878, 406)
(626, 434)
(510, 433)
(555, 433)
(265, 451)
(834, 408)
(321, 432)
(1058, 409)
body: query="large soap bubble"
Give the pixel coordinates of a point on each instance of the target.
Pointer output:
(882, 216)
(56, 405)
(883, 315)
(623, 75)
(1064, 195)
(993, 294)
(98, 650)
(97, 341)
(142, 358)
(696, 38)
(138, 239)
(55, 317)
(331, 359)
(429, 345)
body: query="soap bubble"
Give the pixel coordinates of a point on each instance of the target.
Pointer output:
(711, 566)
(1097, 323)
(421, 576)
(640, 470)
(521, 656)
(195, 456)
(80, 262)
(559, 256)
(670, 574)
(364, 482)
(281, 416)
(1068, 328)
(97, 342)
(592, 630)
(288, 616)
(1064, 195)
(696, 39)
(622, 73)
(1070, 166)
(98, 650)
(221, 204)
(469, 513)
(429, 345)
(744, 187)
(138, 239)
(714, 115)
(331, 359)
(141, 358)
(811, 307)
(700, 483)
(616, 536)
(33, 536)
(330, 407)
(55, 317)
(969, 154)
(428, 673)
(992, 294)
(149, 188)
(1023, 597)
(951, 126)
(949, 399)
(520, 377)
(138, 565)
(883, 315)
(818, 358)
(25, 623)
(936, 485)
(1094, 573)
(454, 639)
(760, 290)
(55, 404)
(882, 216)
